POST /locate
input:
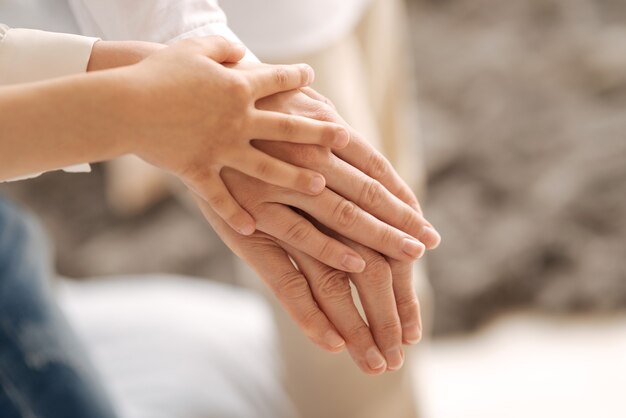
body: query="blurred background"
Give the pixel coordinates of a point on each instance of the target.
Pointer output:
(522, 105)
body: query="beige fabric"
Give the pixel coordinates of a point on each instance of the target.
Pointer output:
(365, 75)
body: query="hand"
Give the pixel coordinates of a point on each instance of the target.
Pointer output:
(192, 116)
(273, 208)
(357, 172)
(319, 299)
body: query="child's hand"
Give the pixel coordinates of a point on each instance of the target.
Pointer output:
(193, 116)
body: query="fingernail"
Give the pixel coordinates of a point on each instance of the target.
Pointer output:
(247, 230)
(333, 339)
(353, 263)
(342, 138)
(395, 359)
(430, 237)
(374, 359)
(413, 248)
(412, 335)
(317, 184)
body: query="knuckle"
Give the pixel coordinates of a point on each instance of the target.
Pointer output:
(390, 326)
(410, 221)
(289, 124)
(215, 40)
(217, 200)
(372, 193)
(387, 236)
(358, 331)
(299, 232)
(407, 303)
(281, 77)
(327, 250)
(223, 42)
(333, 285)
(192, 42)
(291, 286)
(346, 213)
(310, 319)
(258, 243)
(323, 112)
(377, 166)
(377, 266)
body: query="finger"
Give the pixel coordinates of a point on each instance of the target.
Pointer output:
(349, 220)
(284, 224)
(352, 184)
(376, 291)
(373, 197)
(216, 48)
(407, 301)
(316, 96)
(277, 126)
(279, 173)
(362, 155)
(271, 79)
(291, 288)
(331, 290)
(214, 192)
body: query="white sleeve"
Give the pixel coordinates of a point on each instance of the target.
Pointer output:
(162, 21)
(31, 55)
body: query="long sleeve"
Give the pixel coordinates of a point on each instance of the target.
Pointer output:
(28, 55)
(31, 55)
(162, 21)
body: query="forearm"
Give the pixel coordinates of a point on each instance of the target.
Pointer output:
(53, 124)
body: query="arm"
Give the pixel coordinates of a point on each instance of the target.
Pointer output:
(46, 139)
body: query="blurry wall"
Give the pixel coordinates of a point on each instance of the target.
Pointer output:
(523, 107)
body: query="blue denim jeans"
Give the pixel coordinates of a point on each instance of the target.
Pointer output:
(43, 371)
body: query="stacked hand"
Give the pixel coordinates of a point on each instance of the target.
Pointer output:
(358, 210)
(281, 178)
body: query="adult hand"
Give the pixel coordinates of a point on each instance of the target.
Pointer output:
(319, 298)
(358, 172)
(273, 208)
(193, 116)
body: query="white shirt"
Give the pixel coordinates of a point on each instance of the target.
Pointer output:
(271, 28)
(277, 29)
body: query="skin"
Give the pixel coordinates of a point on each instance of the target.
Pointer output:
(365, 221)
(316, 295)
(188, 114)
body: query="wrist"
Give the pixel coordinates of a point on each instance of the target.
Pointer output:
(111, 54)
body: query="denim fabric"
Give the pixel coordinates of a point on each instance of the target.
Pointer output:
(43, 370)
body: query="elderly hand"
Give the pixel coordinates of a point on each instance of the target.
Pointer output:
(319, 299)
